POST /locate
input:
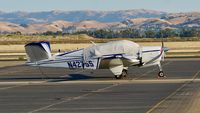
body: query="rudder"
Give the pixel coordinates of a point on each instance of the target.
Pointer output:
(37, 51)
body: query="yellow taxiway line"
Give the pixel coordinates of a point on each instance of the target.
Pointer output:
(149, 81)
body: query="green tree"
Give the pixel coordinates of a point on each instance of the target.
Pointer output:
(150, 34)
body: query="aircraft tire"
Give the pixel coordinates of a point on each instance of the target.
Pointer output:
(118, 76)
(161, 74)
(124, 74)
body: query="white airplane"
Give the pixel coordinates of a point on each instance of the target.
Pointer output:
(117, 56)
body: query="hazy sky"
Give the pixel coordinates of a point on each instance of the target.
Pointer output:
(46, 5)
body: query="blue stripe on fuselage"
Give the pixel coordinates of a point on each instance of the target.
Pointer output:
(69, 52)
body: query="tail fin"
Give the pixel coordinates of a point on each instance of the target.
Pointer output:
(37, 51)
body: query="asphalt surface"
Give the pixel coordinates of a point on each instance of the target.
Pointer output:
(25, 89)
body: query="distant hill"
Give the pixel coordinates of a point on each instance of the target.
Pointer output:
(73, 21)
(76, 16)
(191, 19)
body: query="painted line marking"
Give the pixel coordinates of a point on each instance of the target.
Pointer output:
(10, 87)
(145, 74)
(102, 82)
(19, 84)
(74, 98)
(172, 94)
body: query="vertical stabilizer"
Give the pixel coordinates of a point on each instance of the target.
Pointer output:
(37, 51)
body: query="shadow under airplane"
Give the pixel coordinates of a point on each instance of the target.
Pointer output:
(70, 77)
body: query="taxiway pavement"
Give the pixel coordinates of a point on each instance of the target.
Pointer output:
(26, 89)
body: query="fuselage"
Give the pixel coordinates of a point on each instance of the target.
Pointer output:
(102, 56)
(115, 55)
(150, 55)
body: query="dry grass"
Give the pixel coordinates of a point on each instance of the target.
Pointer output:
(13, 45)
(81, 38)
(174, 46)
(54, 47)
(10, 63)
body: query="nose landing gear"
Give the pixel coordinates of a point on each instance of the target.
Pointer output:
(161, 73)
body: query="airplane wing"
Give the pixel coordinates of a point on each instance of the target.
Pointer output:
(125, 58)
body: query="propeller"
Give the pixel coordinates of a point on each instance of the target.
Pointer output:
(164, 50)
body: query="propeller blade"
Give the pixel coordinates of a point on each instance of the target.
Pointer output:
(163, 56)
(163, 50)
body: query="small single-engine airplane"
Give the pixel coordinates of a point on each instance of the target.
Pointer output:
(115, 55)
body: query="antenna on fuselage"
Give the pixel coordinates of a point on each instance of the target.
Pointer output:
(162, 40)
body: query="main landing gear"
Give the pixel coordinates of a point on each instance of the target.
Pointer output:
(123, 74)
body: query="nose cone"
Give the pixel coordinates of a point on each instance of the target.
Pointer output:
(166, 49)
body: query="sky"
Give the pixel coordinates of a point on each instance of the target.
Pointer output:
(102, 5)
